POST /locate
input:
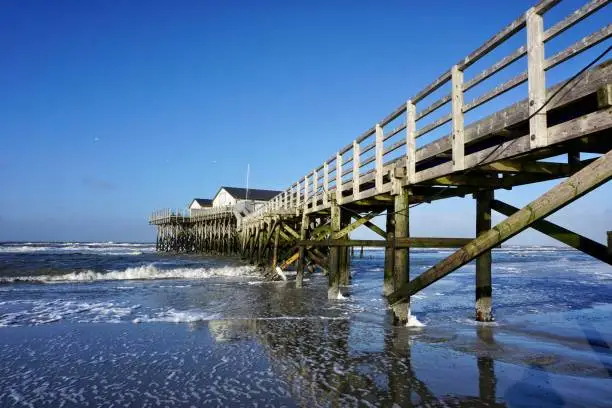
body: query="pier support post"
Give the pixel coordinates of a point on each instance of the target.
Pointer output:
(333, 289)
(261, 243)
(401, 267)
(343, 260)
(610, 243)
(299, 277)
(388, 286)
(483, 262)
(275, 249)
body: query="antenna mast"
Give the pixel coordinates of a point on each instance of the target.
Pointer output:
(247, 181)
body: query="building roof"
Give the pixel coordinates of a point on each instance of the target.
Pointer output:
(203, 202)
(254, 193)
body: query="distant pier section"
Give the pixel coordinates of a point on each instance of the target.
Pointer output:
(462, 135)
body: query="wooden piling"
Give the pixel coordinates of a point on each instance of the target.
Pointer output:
(299, 277)
(343, 259)
(275, 249)
(333, 289)
(483, 262)
(401, 267)
(388, 286)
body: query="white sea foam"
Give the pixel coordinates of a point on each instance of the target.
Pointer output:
(178, 316)
(413, 321)
(145, 272)
(280, 273)
(38, 312)
(196, 315)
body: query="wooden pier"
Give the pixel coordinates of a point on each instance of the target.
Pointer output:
(402, 162)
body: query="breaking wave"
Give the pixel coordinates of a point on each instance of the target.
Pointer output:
(98, 248)
(146, 272)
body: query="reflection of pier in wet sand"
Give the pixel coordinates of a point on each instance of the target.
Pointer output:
(321, 368)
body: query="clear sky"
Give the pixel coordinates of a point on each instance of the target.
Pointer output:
(111, 109)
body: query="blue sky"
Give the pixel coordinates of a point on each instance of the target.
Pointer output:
(112, 109)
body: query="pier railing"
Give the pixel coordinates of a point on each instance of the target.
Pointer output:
(426, 136)
(188, 215)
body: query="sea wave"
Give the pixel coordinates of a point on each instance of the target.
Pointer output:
(145, 272)
(102, 248)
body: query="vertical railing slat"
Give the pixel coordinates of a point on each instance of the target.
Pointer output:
(378, 180)
(458, 140)
(315, 187)
(356, 165)
(305, 192)
(410, 141)
(338, 178)
(536, 79)
(325, 183)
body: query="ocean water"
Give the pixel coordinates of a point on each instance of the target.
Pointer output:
(118, 325)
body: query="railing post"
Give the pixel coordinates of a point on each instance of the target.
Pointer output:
(338, 178)
(378, 181)
(458, 140)
(305, 192)
(325, 183)
(356, 165)
(536, 79)
(297, 194)
(315, 187)
(410, 141)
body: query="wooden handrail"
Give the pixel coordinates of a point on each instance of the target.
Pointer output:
(332, 172)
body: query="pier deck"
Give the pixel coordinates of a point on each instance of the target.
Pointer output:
(405, 160)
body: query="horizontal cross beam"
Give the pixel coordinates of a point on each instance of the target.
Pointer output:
(412, 242)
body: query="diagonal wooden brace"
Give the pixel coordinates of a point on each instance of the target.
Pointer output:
(373, 227)
(349, 228)
(587, 179)
(584, 244)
